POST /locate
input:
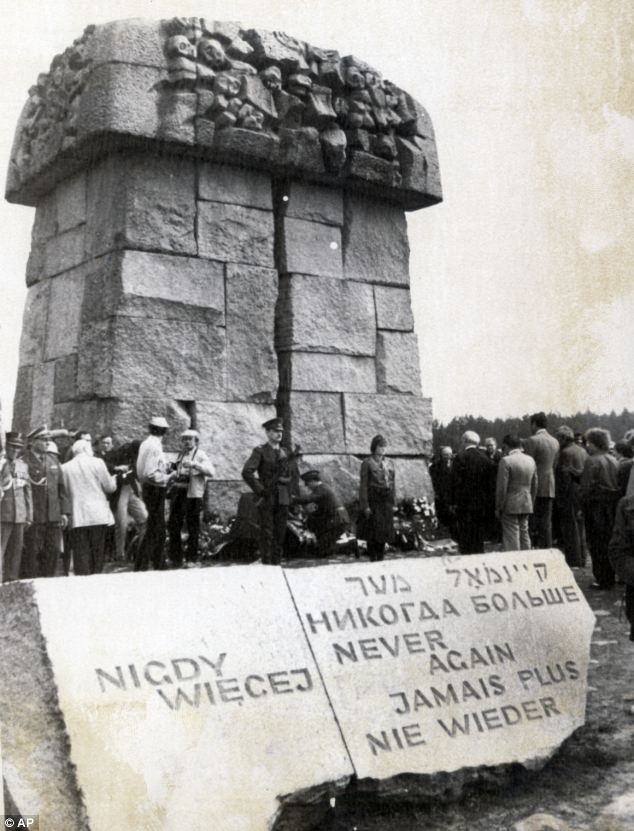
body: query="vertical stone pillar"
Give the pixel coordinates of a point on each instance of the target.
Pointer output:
(219, 236)
(346, 343)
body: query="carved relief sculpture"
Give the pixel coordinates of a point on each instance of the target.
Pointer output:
(220, 238)
(223, 77)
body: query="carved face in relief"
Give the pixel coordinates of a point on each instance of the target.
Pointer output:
(371, 79)
(179, 47)
(227, 85)
(211, 52)
(299, 85)
(252, 119)
(272, 78)
(354, 77)
(57, 76)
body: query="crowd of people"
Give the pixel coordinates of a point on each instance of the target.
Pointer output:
(91, 501)
(68, 499)
(83, 501)
(577, 490)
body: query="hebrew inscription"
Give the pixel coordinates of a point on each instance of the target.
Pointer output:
(437, 665)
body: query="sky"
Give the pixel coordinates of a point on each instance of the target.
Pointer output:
(522, 279)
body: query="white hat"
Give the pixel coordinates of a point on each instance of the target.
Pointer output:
(190, 434)
(159, 421)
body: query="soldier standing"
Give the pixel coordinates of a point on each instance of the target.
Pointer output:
(43, 539)
(268, 473)
(16, 511)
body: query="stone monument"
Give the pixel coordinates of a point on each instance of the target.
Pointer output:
(220, 235)
(245, 698)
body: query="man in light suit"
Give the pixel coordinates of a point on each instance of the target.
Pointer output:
(544, 448)
(88, 485)
(515, 493)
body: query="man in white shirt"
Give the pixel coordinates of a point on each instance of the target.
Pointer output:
(187, 488)
(152, 473)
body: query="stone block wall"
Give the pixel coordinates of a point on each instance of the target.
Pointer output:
(345, 335)
(209, 294)
(220, 236)
(164, 304)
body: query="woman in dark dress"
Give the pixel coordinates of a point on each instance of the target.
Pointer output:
(376, 497)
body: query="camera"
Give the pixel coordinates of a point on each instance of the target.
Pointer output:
(183, 475)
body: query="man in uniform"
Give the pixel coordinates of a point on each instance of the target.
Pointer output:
(268, 473)
(16, 511)
(43, 539)
(326, 516)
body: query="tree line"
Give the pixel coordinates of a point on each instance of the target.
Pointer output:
(450, 433)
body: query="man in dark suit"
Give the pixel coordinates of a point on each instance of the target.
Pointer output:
(621, 552)
(492, 449)
(570, 463)
(440, 473)
(516, 489)
(267, 472)
(544, 448)
(471, 494)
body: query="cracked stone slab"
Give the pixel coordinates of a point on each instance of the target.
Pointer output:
(211, 717)
(448, 664)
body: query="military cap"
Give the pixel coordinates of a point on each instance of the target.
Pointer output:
(41, 432)
(14, 439)
(273, 424)
(59, 433)
(310, 476)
